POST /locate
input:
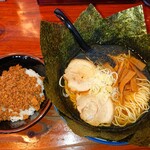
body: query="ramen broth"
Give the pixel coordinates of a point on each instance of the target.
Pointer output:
(107, 95)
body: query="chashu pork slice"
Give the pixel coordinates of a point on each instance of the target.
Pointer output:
(95, 110)
(78, 75)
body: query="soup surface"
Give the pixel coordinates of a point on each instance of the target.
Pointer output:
(106, 95)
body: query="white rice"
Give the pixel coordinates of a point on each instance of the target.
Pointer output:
(32, 73)
(31, 109)
(29, 112)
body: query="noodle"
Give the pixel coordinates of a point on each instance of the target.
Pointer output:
(133, 109)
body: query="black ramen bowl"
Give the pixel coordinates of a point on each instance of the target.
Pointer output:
(103, 58)
(74, 113)
(29, 62)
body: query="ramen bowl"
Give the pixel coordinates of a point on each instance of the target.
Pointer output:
(28, 62)
(59, 48)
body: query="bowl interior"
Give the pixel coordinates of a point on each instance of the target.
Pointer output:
(29, 62)
(104, 50)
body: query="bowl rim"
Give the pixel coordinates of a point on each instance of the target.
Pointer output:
(43, 112)
(106, 142)
(22, 54)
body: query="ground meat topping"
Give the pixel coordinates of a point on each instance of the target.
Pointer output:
(18, 91)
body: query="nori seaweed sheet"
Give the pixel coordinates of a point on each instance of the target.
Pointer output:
(126, 28)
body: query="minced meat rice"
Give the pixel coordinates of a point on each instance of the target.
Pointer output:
(21, 93)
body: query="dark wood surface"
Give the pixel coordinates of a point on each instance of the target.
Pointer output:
(55, 2)
(20, 33)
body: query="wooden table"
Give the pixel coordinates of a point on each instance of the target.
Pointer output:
(20, 32)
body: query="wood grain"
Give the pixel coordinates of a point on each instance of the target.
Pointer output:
(20, 33)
